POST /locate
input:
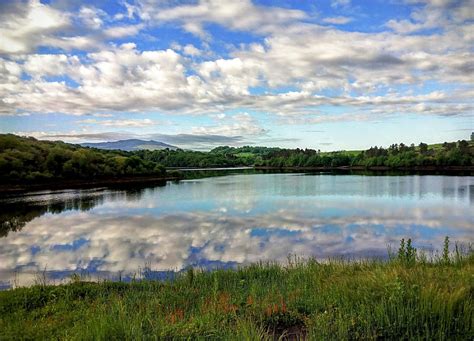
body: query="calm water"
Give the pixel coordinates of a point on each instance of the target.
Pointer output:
(227, 220)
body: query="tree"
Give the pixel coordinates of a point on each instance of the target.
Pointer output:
(423, 148)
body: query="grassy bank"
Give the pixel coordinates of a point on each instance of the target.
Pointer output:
(406, 297)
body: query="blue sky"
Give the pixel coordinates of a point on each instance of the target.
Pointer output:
(330, 75)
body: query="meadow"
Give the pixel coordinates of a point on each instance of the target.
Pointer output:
(407, 297)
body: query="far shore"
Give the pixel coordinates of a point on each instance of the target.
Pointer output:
(376, 168)
(82, 183)
(186, 169)
(150, 180)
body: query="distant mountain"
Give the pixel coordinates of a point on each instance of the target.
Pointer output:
(130, 145)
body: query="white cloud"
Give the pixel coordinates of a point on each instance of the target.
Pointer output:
(340, 3)
(123, 31)
(125, 79)
(441, 14)
(237, 15)
(40, 65)
(120, 123)
(191, 50)
(337, 20)
(91, 17)
(241, 124)
(225, 233)
(22, 26)
(25, 26)
(304, 59)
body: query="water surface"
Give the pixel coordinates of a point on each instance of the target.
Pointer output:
(226, 221)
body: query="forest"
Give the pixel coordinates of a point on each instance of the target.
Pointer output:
(459, 153)
(30, 160)
(218, 157)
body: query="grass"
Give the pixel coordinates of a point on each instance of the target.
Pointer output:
(407, 297)
(434, 146)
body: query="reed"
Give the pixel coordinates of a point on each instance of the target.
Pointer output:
(407, 297)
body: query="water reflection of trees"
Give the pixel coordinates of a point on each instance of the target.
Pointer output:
(16, 212)
(208, 173)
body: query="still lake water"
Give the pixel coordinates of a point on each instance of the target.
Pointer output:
(225, 221)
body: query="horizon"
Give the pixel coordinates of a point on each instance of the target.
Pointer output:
(332, 75)
(92, 144)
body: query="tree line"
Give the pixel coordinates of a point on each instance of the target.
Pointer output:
(459, 153)
(27, 159)
(223, 156)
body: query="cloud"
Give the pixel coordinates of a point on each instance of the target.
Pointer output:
(237, 15)
(28, 25)
(123, 31)
(91, 17)
(196, 141)
(441, 14)
(200, 141)
(125, 79)
(337, 20)
(191, 50)
(340, 3)
(77, 137)
(42, 65)
(233, 227)
(317, 119)
(303, 68)
(22, 26)
(238, 124)
(120, 79)
(120, 123)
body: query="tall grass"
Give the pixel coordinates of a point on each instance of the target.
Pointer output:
(407, 297)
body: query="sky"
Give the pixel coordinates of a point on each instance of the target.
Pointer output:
(322, 74)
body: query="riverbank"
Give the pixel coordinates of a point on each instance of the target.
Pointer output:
(83, 183)
(399, 299)
(428, 169)
(183, 173)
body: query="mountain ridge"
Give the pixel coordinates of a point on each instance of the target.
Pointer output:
(130, 145)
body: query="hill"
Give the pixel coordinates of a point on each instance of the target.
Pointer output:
(25, 159)
(130, 145)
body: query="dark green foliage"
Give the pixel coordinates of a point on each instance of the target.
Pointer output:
(402, 251)
(407, 254)
(217, 157)
(396, 156)
(446, 250)
(27, 159)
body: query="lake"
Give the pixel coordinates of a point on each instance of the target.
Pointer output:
(225, 221)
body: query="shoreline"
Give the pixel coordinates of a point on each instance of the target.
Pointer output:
(147, 180)
(188, 169)
(304, 299)
(375, 168)
(78, 184)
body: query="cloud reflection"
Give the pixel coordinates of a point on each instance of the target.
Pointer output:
(182, 224)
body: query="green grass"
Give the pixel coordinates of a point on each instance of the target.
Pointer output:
(344, 152)
(246, 154)
(434, 146)
(407, 297)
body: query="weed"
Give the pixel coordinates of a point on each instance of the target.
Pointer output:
(407, 297)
